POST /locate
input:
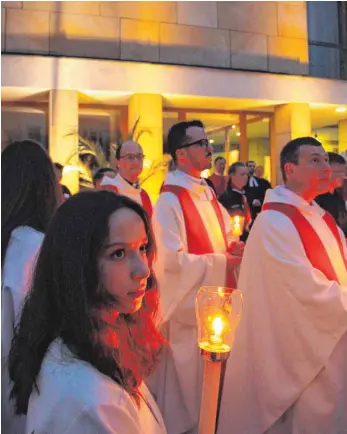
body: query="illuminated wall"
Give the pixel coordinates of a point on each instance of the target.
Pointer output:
(261, 36)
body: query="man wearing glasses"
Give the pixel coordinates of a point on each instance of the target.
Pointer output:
(191, 229)
(129, 158)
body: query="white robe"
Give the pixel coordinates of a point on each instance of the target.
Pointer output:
(177, 382)
(124, 188)
(287, 373)
(18, 266)
(75, 398)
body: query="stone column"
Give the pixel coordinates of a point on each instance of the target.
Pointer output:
(291, 121)
(63, 134)
(148, 110)
(343, 136)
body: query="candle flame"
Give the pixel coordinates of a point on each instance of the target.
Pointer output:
(217, 326)
(237, 220)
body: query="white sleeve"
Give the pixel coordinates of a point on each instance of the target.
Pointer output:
(104, 419)
(181, 274)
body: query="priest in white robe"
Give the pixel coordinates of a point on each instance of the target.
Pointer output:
(191, 230)
(129, 159)
(287, 373)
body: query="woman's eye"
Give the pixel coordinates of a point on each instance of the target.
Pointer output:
(143, 248)
(118, 254)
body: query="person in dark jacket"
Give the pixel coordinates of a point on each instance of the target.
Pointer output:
(333, 201)
(234, 199)
(255, 190)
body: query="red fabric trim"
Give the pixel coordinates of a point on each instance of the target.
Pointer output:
(146, 202)
(197, 237)
(112, 188)
(314, 248)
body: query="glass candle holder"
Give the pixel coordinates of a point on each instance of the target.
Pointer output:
(218, 311)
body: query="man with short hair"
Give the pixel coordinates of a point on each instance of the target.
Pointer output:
(287, 371)
(191, 230)
(100, 174)
(218, 179)
(255, 189)
(129, 160)
(333, 200)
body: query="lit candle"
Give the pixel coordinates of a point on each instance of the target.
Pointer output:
(217, 327)
(237, 223)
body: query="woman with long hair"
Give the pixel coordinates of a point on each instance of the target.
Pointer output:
(29, 199)
(87, 338)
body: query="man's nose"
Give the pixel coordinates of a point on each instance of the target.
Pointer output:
(327, 169)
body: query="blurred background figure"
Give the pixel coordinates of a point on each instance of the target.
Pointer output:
(100, 174)
(234, 198)
(259, 172)
(256, 188)
(333, 201)
(218, 179)
(87, 337)
(59, 174)
(29, 194)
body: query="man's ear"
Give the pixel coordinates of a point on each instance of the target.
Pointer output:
(180, 154)
(289, 169)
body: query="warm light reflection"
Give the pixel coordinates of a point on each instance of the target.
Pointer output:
(217, 328)
(237, 224)
(68, 169)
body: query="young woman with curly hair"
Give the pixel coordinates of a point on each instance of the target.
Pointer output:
(87, 338)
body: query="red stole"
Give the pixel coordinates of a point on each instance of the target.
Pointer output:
(314, 248)
(146, 201)
(198, 240)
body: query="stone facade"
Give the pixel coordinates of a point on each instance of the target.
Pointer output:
(260, 36)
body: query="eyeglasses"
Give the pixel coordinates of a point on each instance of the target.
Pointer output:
(203, 143)
(132, 157)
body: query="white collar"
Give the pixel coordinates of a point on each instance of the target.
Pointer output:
(198, 186)
(238, 191)
(253, 182)
(119, 182)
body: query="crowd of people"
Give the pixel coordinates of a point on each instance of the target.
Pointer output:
(99, 331)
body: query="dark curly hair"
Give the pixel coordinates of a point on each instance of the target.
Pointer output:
(29, 192)
(66, 301)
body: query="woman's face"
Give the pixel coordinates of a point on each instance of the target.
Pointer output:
(123, 264)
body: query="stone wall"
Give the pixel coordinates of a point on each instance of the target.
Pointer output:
(261, 36)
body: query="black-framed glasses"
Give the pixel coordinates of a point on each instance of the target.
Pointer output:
(203, 143)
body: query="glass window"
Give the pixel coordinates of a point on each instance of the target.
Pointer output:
(20, 123)
(258, 140)
(328, 136)
(98, 129)
(329, 126)
(327, 34)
